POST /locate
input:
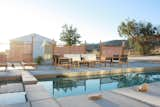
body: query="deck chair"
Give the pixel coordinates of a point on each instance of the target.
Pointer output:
(75, 58)
(120, 59)
(89, 59)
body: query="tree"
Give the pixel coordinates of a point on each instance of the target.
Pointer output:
(138, 33)
(69, 35)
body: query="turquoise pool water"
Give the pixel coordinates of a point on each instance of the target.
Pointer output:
(12, 98)
(61, 87)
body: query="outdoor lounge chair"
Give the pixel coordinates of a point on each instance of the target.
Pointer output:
(89, 59)
(76, 59)
(104, 60)
(124, 59)
(65, 62)
(79, 59)
(121, 59)
(55, 59)
(61, 61)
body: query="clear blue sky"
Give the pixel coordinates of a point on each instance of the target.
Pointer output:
(95, 19)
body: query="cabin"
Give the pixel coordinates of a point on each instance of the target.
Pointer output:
(29, 47)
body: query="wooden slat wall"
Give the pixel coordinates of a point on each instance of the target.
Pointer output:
(20, 52)
(109, 51)
(69, 50)
(3, 58)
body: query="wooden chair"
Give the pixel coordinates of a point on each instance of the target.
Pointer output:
(124, 59)
(89, 59)
(76, 59)
(55, 59)
(104, 60)
(121, 59)
(64, 62)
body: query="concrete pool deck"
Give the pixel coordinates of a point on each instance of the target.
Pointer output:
(38, 97)
(49, 71)
(151, 97)
(109, 99)
(124, 97)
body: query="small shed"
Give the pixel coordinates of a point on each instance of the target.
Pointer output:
(29, 47)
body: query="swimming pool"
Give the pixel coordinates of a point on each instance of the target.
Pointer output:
(61, 87)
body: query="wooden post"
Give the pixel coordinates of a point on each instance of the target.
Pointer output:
(85, 44)
(100, 49)
(123, 47)
(32, 46)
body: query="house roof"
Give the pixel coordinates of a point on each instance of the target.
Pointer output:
(28, 38)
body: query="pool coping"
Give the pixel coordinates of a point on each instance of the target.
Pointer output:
(93, 73)
(11, 76)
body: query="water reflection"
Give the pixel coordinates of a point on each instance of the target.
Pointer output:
(60, 87)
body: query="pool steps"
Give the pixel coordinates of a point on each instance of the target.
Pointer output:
(28, 78)
(39, 97)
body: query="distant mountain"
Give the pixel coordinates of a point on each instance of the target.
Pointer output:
(91, 47)
(114, 42)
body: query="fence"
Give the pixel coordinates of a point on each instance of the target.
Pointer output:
(20, 52)
(109, 51)
(3, 57)
(61, 50)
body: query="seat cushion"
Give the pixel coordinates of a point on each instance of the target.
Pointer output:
(74, 57)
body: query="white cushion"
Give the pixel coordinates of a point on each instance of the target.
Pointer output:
(89, 57)
(75, 57)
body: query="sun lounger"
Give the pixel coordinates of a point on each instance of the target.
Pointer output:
(76, 59)
(89, 59)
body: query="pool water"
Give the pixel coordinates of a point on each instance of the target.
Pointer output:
(12, 98)
(61, 87)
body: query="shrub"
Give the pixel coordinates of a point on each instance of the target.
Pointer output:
(39, 60)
